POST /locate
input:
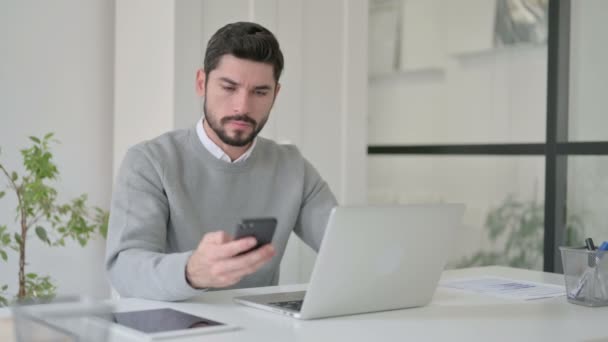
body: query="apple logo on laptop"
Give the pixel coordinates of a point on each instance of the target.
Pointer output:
(389, 260)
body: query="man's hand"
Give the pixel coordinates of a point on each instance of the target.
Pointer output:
(216, 262)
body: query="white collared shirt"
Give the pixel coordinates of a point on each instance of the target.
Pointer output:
(217, 151)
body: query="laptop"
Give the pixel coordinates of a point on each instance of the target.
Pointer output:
(372, 258)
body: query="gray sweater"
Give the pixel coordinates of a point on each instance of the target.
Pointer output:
(170, 191)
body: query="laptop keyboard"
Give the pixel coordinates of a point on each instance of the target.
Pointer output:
(294, 305)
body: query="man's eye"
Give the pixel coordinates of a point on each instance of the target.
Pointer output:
(230, 89)
(261, 92)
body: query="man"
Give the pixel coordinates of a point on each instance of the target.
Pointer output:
(178, 197)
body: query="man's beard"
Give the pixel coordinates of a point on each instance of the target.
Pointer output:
(240, 139)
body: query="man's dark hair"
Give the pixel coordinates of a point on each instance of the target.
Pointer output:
(247, 41)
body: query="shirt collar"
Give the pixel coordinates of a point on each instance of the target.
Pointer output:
(217, 151)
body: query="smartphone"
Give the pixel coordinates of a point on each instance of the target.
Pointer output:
(262, 229)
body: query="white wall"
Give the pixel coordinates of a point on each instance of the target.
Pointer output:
(333, 100)
(144, 72)
(187, 57)
(56, 76)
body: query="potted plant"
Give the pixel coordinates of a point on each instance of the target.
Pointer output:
(39, 214)
(518, 226)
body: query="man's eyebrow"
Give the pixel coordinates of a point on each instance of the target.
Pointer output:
(263, 87)
(227, 80)
(235, 83)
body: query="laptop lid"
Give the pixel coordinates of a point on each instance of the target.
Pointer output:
(376, 258)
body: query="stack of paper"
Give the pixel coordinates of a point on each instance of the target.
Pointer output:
(506, 288)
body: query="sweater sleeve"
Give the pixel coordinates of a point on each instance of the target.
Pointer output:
(318, 201)
(136, 260)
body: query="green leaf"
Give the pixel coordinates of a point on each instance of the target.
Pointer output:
(4, 288)
(103, 230)
(34, 139)
(3, 255)
(42, 235)
(14, 176)
(17, 238)
(31, 275)
(82, 241)
(2, 193)
(48, 136)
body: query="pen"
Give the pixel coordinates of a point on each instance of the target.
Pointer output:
(590, 272)
(599, 272)
(589, 244)
(590, 247)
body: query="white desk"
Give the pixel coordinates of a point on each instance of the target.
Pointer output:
(453, 315)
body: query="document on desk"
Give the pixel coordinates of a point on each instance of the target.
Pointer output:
(506, 288)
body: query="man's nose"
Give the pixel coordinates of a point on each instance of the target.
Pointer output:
(242, 103)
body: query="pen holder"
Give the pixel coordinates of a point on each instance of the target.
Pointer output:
(586, 276)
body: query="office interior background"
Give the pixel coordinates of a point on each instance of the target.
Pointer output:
(370, 89)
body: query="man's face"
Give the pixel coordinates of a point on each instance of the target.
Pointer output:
(238, 96)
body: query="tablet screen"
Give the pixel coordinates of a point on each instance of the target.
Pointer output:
(161, 320)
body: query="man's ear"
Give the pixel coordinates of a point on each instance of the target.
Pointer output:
(276, 90)
(201, 78)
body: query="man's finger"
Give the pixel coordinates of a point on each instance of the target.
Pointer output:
(246, 261)
(249, 270)
(217, 238)
(232, 248)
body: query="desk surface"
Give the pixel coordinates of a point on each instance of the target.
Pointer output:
(453, 315)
